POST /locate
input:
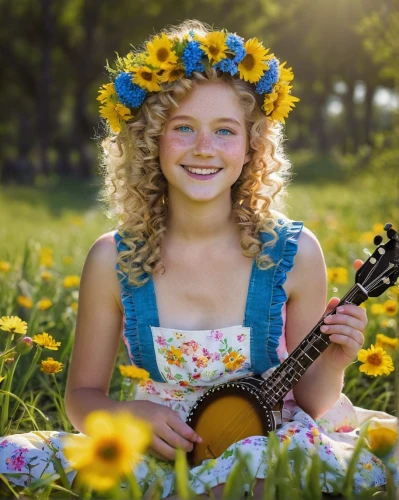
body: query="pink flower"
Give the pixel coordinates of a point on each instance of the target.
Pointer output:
(241, 337)
(206, 353)
(16, 462)
(216, 356)
(215, 335)
(189, 348)
(3, 444)
(161, 341)
(247, 441)
(344, 428)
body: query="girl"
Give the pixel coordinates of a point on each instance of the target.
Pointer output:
(204, 279)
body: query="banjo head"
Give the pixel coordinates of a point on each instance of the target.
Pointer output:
(226, 414)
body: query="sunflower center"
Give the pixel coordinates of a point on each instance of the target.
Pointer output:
(108, 451)
(214, 50)
(374, 359)
(248, 62)
(162, 54)
(145, 75)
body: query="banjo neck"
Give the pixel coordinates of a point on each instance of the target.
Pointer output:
(286, 375)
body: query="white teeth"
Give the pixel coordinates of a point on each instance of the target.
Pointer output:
(202, 171)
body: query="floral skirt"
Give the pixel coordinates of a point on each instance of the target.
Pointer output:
(25, 457)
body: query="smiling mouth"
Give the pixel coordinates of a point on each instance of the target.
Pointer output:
(201, 170)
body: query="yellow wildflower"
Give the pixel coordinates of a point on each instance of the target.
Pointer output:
(252, 67)
(146, 78)
(13, 324)
(51, 366)
(4, 266)
(67, 260)
(337, 275)
(46, 275)
(386, 342)
(134, 372)
(114, 113)
(381, 439)
(46, 257)
(391, 307)
(174, 356)
(24, 301)
(214, 46)
(44, 304)
(233, 360)
(377, 309)
(47, 341)
(160, 53)
(71, 281)
(376, 361)
(111, 446)
(107, 92)
(279, 102)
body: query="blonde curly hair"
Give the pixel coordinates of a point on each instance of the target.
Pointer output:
(136, 191)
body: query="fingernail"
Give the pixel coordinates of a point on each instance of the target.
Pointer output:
(341, 309)
(324, 328)
(199, 440)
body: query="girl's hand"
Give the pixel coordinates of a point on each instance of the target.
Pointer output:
(346, 329)
(169, 430)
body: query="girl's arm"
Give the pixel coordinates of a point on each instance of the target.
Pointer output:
(306, 286)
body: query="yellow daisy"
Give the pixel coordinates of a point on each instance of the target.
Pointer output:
(24, 301)
(47, 341)
(381, 439)
(13, 324)
(391, 307)
(146, 78)
(377, 309)
(71, 281)
(134, 372)
(337, 275)
(160, 52)
(252, 67)
(386, 342)
(111, 446)
(51, 366)
(233, 360)
(376, 361)
(114, 113)
(44, 304)
(214, 46)
(4, 266)
(279, 103)
(173, 73)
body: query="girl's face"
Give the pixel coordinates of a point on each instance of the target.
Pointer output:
(204, 145)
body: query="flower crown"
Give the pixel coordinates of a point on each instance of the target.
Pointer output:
(167, 59)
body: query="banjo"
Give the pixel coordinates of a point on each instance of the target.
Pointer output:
(252, 405)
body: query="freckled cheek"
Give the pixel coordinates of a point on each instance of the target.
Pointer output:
(172, 147)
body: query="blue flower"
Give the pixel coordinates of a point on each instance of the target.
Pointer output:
(192, 55)
(236, 45)
(227, 66)
(129, 94)
(269, 78)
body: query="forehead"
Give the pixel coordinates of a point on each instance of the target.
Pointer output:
(210, 100)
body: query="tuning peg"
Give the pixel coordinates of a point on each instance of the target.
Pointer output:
(387, 226)
(377, 239)
(391, 233)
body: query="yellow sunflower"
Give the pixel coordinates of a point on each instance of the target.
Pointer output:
(25, 302)
(13, 324)
(254, 64)
(375, 361)
(146, 78)
(107, 91)
(47, 341)
(386, 342)
(381, 440)
(160, 53)
(286, 74)
(114, 113)
(279, 102)
(173, 73)
(51, 366)
(113, 444)
(391, 307)
(233, 360)
(134, 372)
(214, 46)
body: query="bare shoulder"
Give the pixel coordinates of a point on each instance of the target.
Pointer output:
(309, 264)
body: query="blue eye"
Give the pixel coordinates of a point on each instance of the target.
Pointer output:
(183, 127)
(224, 130)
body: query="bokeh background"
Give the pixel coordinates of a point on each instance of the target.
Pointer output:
(342, 138)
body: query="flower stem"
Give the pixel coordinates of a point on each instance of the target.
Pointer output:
(64, 417)
(4, 409)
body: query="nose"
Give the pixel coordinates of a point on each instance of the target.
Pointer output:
(204, 145)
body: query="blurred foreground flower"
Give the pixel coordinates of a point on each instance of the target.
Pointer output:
(13, 324)
(51, 366)
(376, 361)
(133, 372)
(112, 446)
(4, 266)
(337, 275)
(386, 342)
(24, 301)
(47, 341)
(381, 440)
(46, 257)
(44, 304)
(71, 281)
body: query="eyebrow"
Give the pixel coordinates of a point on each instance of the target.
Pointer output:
(225, 119)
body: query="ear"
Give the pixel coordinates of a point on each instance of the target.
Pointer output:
(247, 157)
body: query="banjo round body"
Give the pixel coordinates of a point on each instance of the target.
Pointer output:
(228, 413)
